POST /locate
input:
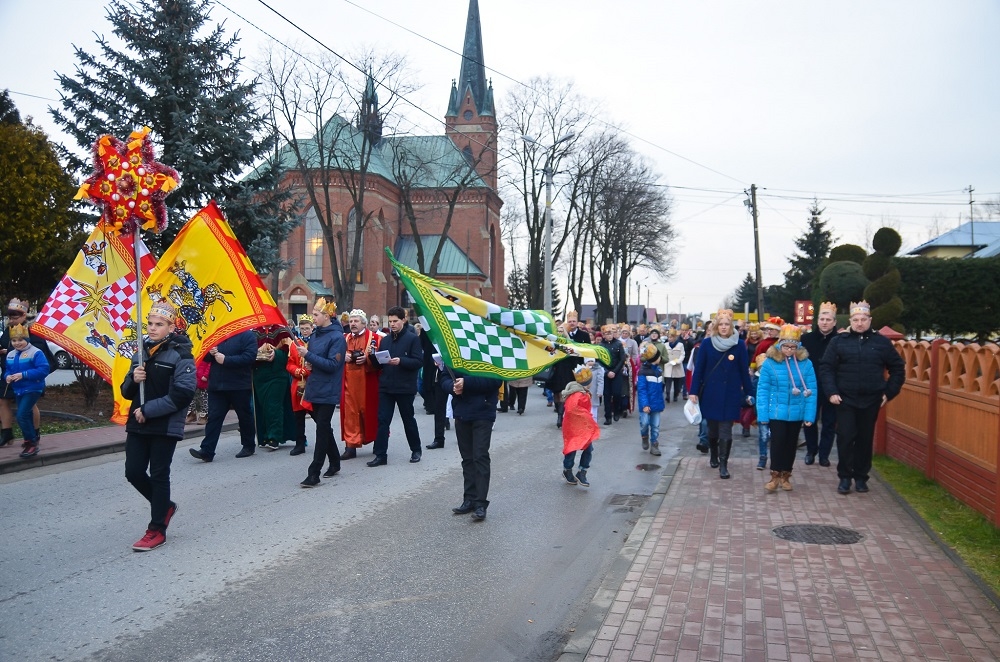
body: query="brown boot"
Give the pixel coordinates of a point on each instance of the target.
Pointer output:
(772, 485)
(191, 418)
(202, 419)
(786, 483)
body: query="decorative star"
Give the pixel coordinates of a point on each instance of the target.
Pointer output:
(94, 300)
(128, 184)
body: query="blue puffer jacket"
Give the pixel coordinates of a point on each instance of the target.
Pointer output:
(327, 349)
(478, 401)
(775, 400)
(34, 367)
(235, 373)
(650, 388)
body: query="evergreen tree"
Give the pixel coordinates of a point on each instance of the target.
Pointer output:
(179, 74)
(746, 293)
(813, 247)
(517, 288)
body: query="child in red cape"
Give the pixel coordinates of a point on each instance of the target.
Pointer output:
(579, 429)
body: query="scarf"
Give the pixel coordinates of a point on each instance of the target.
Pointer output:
(724, 344)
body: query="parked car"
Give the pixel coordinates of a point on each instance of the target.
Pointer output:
(64, 359)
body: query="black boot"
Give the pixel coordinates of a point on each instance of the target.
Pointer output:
(6, 436)
(724, 447)
(713, 450)
(559, 414)
(349, 453)
(300, 448)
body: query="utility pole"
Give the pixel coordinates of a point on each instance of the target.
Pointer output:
(972, 222)
(752, 204)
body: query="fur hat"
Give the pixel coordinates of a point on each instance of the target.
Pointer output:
(649, 352)
(828, 307)
(860, 308)
(654, 330)
(164, 309)
(583, 375)
(790, 334)
(16, 305)
(18, 332)
(357, 312)
(324, 307)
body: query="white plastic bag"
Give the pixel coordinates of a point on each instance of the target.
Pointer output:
(692, 412)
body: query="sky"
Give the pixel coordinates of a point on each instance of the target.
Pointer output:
(886, 111)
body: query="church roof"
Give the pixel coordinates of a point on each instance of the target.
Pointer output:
(473, 72)
(453, 261)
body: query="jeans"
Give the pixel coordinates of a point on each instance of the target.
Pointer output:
(154, 452)
(763, 438)
(703, 433)
(570, 458)
(25, 415)
(387, 403)
(326, 444)
(219, 404)
(474, 446)
(649, 426)
(548, 395)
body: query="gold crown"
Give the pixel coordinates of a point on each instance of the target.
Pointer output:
(649, 352)
(860, 308)
(18, 305)
(164, 309)
(19, 332)
(828, 307)
(572, 315)
(789, 333)
(583, 375)
(724, 314)
(753, 327)
(306, 319)
(324, 307)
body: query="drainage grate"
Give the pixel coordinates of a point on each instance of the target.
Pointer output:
(818, 534)
(647, 467)
(632, 500)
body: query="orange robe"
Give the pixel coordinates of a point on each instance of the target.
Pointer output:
(359, 394)
(296, 368)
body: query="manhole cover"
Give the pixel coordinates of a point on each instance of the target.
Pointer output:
(634, 500)
(818, 534)
(647, 467)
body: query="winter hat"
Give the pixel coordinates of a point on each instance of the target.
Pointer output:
(583, 375)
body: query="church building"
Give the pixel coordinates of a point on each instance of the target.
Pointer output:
(410, 181)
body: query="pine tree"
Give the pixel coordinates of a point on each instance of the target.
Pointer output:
(179, 74)
(813, 246)
(746, 293)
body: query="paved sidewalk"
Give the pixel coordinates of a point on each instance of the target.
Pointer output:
(702, 577)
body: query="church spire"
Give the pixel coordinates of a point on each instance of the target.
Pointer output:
(472, 78)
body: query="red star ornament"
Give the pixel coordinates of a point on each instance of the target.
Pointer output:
(128, 184)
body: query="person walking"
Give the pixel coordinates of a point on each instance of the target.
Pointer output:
(359, 399)
(720, 384)
(17, 313)
(474, 402)
(272, 392)
(25, 376)
(613, 373)
(229, 388)
(562, 370)
(672, 361)
(160, 389)
(819, 437)
(397, 385)
(580, 429)
(651, 401)
(325, 357)
(786, 400)
(852, 373)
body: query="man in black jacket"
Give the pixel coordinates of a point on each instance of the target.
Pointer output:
(852, 375)
(562, 370)
(229, 387)
(816, 342)
(613, 378)
(397, 385)
(156, 420)
(475, 407)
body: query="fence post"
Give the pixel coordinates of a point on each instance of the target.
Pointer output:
(996, 476)
(932, 405)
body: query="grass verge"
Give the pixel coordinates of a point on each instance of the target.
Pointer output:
(963, 529)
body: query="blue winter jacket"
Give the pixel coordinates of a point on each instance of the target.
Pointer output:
(326, 351)
(34, 367)
(478, 401)
(650, 387)
(235, 373)
(721, 380)
(775, 400)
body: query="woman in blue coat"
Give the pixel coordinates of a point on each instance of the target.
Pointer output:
(721, 384)
(786, 400)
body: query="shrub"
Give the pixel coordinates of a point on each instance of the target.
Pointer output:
(847, 253)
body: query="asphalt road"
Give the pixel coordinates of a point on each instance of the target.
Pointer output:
(372, 565)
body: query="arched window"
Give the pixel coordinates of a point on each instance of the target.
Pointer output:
(313, 259)
(467, 153)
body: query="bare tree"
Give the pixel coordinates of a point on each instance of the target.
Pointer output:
(332, 130)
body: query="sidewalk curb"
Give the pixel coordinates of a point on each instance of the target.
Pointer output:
(58, 457)
(589, 624)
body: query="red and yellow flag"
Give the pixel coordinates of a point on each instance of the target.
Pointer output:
(208, 277)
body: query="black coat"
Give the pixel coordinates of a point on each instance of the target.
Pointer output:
(405, 346)
(478, 401)
(235, 373)
(816, 344)
(854, 366)
(170, 385)
(562, 371)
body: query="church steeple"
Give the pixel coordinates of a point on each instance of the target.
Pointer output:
(472, 78)
(370, 118)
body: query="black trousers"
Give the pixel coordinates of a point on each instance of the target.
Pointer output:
(612, 395)
(474, 445)
(387, 404)
(155, 453)
(219, 404)
(519, 397)
(677, 383)
(326, 444)
(784, 443)
(300, 427)
(440, 416)
(855, 432)
(819, 440)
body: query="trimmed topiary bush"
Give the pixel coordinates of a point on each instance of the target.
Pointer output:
(883, 293)
(842, 282)
(875, 265)
(886, 241)
(847, 253)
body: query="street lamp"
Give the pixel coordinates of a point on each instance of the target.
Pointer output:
(548, 172)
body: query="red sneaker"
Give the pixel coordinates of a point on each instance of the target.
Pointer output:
(150, 541)
(170, 513)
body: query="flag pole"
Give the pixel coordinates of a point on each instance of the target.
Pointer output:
(138, 309)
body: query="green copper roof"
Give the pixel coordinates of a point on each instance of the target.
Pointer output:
(453, 262)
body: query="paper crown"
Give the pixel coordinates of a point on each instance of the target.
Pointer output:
(357, 312)
(672, 332)
(753, 327)
(774, 323)
(649, 352)
(828, 307)
(324, 307)
(306, 319)
(724, 314)
(789, 333)
(344, 318)
(860, 308)
(583, 375)
(572, 315)
(164, 309)
(18, 305)
(18, 332)
(685, 327)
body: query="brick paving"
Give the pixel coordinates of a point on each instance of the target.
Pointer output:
(709, 580)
